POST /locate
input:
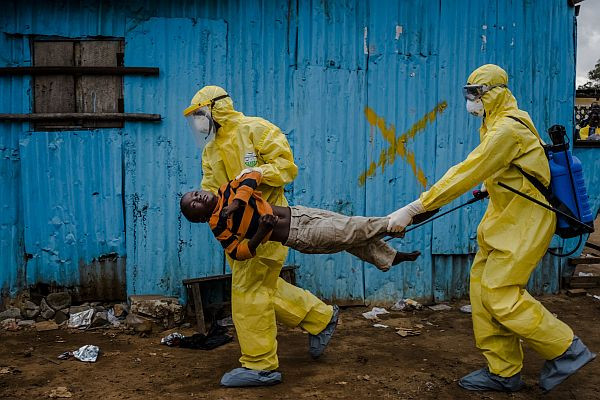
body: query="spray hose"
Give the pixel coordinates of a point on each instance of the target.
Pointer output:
(477, 196)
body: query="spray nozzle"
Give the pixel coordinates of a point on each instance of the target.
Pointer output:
(557, 134)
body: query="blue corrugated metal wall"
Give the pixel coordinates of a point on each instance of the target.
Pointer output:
(346, 81)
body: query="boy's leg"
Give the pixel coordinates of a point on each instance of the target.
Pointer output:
(380, 254)
(319, 231)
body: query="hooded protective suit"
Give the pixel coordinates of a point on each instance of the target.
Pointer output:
(258, 296)
(513, 235)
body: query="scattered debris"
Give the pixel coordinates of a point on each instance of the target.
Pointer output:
(100, 319)
(466, 309)
(60, 317)
(9, 370)
(406, 305)
(9, 324)
(163, 310)
(81, 320)
(217, 336)
(172, 339)
(413, 303)
(374, 313)
(420, 326)
(120, 310)
(87, 353)
(341, 383)
(576, 292)
(45, 326)
(380, 326)
(440, 307)
(112, 318)
(595, 296)
(138, 323)
(60, 392)
(399, 306)
(404, 332)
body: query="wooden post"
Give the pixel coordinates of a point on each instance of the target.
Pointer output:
(198, 308)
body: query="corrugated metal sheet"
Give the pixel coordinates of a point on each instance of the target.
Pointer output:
(345, 80)
(15, 52)
(72, 202)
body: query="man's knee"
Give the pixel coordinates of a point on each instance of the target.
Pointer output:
(500, 302)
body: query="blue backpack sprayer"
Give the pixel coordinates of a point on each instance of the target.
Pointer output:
(567, 194)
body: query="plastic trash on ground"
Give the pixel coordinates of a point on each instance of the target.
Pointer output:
(406, 305)
(114, 321)
(81, 320)
(466, 309)
(372, 315)
(87, 353)
(172, 339)
(440, 307)
(217, 336)
(380, 326)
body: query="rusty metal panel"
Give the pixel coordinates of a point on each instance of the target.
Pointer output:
(161, 160)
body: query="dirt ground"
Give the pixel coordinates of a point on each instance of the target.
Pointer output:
(362, 362)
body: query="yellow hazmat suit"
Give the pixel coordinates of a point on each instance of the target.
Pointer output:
(259, 297)
(513, 235)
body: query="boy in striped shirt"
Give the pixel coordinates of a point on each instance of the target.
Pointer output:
(241, 220)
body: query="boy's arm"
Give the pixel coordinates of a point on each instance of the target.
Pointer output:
(235, 249)
(246, 184)
(266, 223)
(246, 249)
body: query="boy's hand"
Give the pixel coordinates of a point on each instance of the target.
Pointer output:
(268, 221)
(233, 207)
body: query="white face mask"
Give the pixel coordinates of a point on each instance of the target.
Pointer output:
(475, 107)
(201, 124)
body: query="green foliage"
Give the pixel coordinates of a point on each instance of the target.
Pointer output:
(594, 78)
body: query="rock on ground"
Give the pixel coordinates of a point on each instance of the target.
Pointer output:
(45, 310)
(12, 312)
(59, 300)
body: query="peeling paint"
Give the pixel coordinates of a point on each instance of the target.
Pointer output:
(365, 40)
(398, 31)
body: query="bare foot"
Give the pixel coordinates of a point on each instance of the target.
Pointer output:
(400, 256)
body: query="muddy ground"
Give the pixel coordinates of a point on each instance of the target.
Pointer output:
(362, 362)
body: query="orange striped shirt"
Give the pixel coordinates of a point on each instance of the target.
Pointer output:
(243, 223)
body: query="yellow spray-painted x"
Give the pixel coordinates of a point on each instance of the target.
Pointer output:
(398, 144)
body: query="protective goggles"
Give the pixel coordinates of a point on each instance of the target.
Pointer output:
(474, 92)
(194, 107)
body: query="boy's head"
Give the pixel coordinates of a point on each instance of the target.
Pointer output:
(198, 205)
